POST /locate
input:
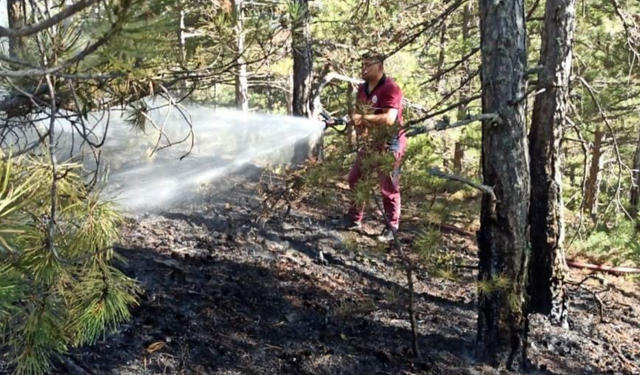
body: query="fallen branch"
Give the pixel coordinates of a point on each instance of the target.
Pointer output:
(603, 268)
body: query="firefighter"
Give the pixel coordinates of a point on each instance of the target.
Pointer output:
(381, 98)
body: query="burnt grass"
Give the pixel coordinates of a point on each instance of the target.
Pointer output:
(225, 293)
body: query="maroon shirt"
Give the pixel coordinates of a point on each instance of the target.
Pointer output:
(386, 94)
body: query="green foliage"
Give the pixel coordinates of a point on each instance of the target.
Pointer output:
(613, 244)
(57, 290)
(494, 284)
(439, 261)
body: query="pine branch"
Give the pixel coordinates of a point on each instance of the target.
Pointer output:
(49, 22)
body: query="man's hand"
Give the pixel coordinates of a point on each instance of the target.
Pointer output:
(357, 120)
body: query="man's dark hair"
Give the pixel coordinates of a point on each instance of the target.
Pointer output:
(373, 56)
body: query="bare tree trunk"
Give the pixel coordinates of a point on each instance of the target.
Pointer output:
(592, 186)
(181, 34)
(503, 237)
(242, 96)
(547, 268)
(441, 57)
(634, 199)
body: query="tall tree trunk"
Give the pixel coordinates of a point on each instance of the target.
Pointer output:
(592, 185)
(503, 238)
(302, 61)
(242, 96)
(302, 77)
(547, 266)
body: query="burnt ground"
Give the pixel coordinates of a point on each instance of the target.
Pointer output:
(225, 293)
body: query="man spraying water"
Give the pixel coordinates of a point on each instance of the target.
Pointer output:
(378, 119)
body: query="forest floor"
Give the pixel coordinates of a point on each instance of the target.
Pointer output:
(225, 293)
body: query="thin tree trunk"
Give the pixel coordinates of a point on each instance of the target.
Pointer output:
(289, 96)
(465, 91)
(302, 61)
(634, 199)
(547, 267)
(592, 186)
(503, 236)
(181, 34)
(466, 35)
(15, 10)
(269, 93)
(242, 96)
(441, 57)
(458, 156)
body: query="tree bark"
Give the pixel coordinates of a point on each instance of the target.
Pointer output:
(634, 199)
(242, 95)
(547, 267)
(302, 61)
(302, 79)
(592, 185)
(503, 236)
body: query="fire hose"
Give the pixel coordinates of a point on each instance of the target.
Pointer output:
(339, 124)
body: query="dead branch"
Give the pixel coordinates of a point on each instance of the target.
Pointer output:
(445, 125)
(602, 268)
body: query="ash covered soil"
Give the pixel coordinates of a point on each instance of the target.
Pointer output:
(225, 293)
